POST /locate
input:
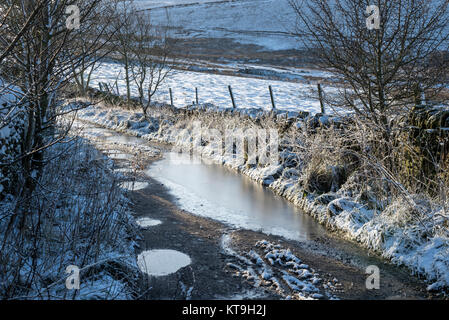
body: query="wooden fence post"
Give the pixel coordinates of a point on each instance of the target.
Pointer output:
(418, 96)
(116, 86)
(272, 97)
(232, 97)
(196, 96)
(108, 88)
(423, 97)
(171, 97)
(320, 94)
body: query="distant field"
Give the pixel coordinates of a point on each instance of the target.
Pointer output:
(213, 88)
(148, 4)
(266, 23)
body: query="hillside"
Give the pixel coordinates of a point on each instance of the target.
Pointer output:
(265, 23)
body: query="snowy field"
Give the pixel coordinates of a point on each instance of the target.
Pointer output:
(150, 4)
(248, 92)
(267, 23)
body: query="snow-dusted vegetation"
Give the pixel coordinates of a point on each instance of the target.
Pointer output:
(11, 127)
(280, 270)
(342, 116)
(78, 216)
(61, 205)
(317, 173)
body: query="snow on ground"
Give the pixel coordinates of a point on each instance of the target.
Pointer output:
(147, 222)
(150, 4)
(162, 262)
(79, 182)
(11, 120)
(266, 23)
(420, 243)
(277, 269)
(134, 185)
(213, 89)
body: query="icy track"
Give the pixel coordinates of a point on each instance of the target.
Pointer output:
(213, 88)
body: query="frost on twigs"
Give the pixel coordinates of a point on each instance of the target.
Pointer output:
(79, 217)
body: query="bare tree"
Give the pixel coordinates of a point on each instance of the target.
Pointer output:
(152, 63)
(383, 70)
(124, 27)
(7, 10)
(40, 64)
(383, 67)
(39, 55)
(93, 46)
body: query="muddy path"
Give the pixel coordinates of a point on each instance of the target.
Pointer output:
(233, 263)
(210, 274)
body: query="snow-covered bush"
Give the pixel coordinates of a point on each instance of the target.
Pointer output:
(11, 129)
(78, 217)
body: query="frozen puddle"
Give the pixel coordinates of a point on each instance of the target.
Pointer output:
(133, 186)
(147, 222)
(215, 192)
(162, 262)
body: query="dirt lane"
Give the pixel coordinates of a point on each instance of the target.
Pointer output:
(212, 278)
(221, 258)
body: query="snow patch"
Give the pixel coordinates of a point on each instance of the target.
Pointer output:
(162, 262)
(148, 222)
(134, 185)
